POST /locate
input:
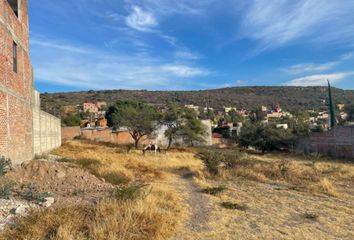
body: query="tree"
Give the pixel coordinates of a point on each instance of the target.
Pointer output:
(235, 117)
(71, 121)
(299, 123)
(139, 118)
(350, 111)
(257, 115)
(192, 129)
(333, 119)
(265, 137)
(182, 123)
(173, 120)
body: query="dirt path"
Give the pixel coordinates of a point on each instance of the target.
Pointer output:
(199, 205)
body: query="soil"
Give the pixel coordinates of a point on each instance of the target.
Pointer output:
(65, 182)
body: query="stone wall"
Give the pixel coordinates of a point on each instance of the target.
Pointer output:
(338, 142)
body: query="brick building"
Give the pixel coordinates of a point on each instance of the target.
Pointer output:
(17, 95)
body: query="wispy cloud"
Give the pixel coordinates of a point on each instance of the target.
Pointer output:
(98, 69)
(309, 67)
(187, 55)
(317, 67)
(319, 79)
(280, 23)
(141, 20)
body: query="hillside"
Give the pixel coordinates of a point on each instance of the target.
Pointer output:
(290, 98)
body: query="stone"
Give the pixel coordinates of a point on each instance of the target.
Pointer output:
(21, 211)
(48, 201)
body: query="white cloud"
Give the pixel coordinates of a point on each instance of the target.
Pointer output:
(98, 69)
(309, 67)
(280, 23)
(313, 67)
(141, 20)
(187, 55)
(319, 79)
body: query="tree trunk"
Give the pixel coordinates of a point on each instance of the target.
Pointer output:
(169, 143)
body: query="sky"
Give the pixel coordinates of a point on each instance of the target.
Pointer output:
(190, 45)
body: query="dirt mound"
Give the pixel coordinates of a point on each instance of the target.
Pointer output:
(65, 182)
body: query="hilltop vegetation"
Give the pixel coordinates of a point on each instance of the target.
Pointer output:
(290, 98)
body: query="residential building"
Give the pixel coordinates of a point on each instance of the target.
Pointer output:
(25, 130)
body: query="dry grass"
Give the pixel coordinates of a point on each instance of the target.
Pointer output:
(153, 217)
(105, 161)
(292, 170)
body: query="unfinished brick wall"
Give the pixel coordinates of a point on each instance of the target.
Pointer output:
(19, 103)
(338, 142)
(15, 87)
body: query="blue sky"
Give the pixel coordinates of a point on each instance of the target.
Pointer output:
(182, 45)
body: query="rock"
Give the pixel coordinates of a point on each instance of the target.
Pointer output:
(21, 211)
(48, 201)
(60, 174)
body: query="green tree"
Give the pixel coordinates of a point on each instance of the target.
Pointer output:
(257, 115)
(235, 117)
(299, 123)
(350, 111)
(265, 137)
(173, 120)
(139, 118)
(71, 121)
(192, 129)
(182, 123)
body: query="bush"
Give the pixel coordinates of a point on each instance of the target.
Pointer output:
(234, 206)
(6, 190)
(32, 194)
(265, 137)
(130, 192)
(214, 159)
(214, 190)
(5, 165)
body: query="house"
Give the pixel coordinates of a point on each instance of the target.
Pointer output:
(193, 107)
(229, 109)
(25, 130)
(90, 107)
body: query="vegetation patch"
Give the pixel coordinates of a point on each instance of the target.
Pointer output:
(31, 193)
(5, 165)
(6, 189)
(131, 192)
(311, 216)
(214, 190)
(234, 206)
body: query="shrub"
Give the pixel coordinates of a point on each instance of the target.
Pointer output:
(234, 206)
(32, 194)
(6, 190)
(214, 190)
(214, 159)
(265, 137)
(130, 192)
(115, 178)
(5, 165)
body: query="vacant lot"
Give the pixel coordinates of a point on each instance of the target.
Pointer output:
(184, 195)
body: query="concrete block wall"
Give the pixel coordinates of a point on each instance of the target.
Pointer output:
(46, 128)
(338, 142)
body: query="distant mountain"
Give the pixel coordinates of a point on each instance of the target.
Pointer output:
(290, 98)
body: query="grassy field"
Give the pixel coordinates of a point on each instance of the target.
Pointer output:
(220, 194)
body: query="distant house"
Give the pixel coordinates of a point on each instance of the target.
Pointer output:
(90, 107)
(229, 109)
